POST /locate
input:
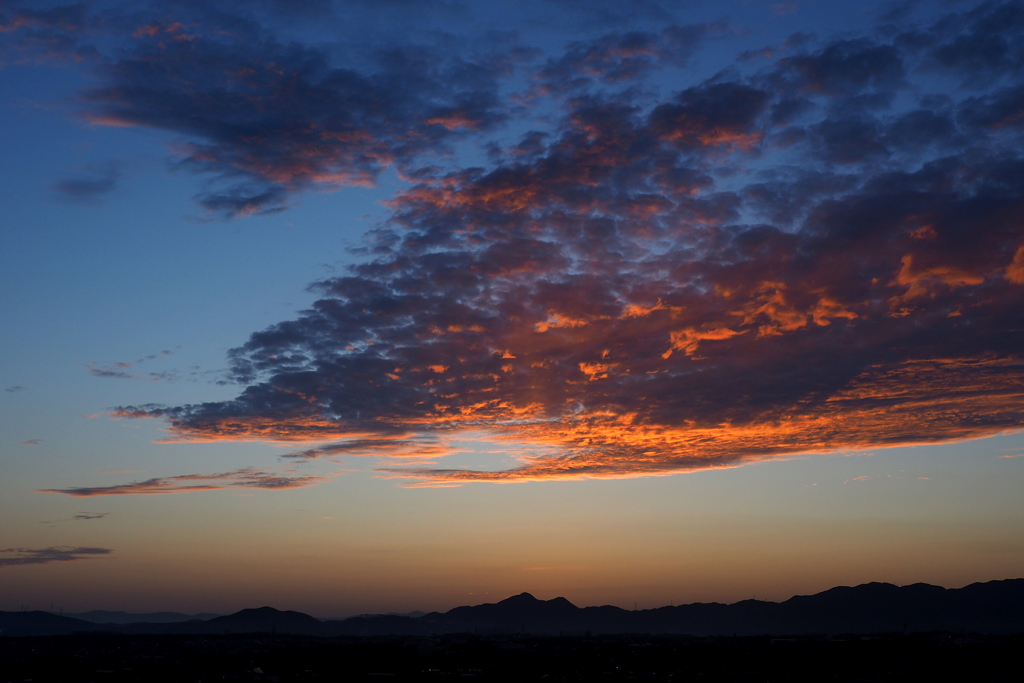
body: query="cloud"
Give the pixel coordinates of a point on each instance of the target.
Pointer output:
(265, 120)
(710, 116)
(390, 445)
(111, 370)
(622, 57)
(52, 34)
(246, 478)
(980, 44)
(90, 184)
(261, 117)
(124, 369)
(11, 557)
(820, 255)
(14, 389)
(84, 516)
(81, 517)
(844, 67)
(31, 442)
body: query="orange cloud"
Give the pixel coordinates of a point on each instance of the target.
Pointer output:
(828, 309)
(688, 339)
(1015, 271)
(883, 407)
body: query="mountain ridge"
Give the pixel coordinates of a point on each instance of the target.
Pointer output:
(984, 607)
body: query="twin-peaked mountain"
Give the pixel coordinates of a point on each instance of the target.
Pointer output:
(993, 607)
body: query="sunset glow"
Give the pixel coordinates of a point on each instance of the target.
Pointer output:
(330, 270)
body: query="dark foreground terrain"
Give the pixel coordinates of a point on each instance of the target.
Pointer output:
(114, 658)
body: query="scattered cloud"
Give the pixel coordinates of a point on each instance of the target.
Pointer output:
(31, 442)
(111, 370)
(622, 57)
(80, 517)
(90, 183)
(124, 369)
(87, 516)
(11, 557)
(246, 478)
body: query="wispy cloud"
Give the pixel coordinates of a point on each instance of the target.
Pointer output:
(80, 517)
(90, 183)
(87, 516)
(390, 445)
(111, 370)
(247, 478)
(12, 557)
(123, 370)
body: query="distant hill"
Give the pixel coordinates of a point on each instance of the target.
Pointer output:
(107, 617)
(41, 624)
(995, 607)
(263, 620)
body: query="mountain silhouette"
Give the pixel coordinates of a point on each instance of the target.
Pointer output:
(995, 607)
(262, 620)
(109, 617)
(521, 612)
(41, 624)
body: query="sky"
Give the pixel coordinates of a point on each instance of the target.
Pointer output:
(366, 306)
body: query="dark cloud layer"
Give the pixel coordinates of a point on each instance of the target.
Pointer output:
(52, 34)
(262, 119)
(823, 252)
(266, 119)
